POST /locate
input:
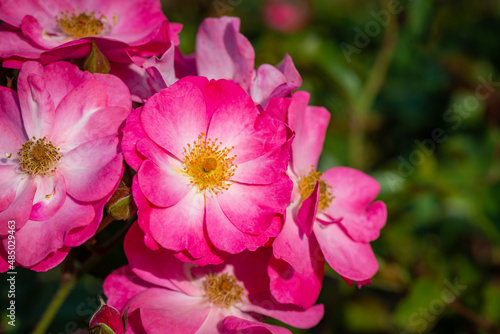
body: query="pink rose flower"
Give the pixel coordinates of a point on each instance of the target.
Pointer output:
(166, 295)
(210, 169)
(61, 158)
(53, 30)
(286, 15)
(222, 52)
(331, 215)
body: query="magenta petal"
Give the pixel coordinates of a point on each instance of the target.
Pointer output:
(291, 74)
(267, 79)
(351, 259)
(226, 237)
(122, 285)
(176, 116)
(353, 193)
(162, 185)
(307, 211)
(291, 287)
(162, 70)
(51, 260)
(132, 133)
(20, 209)
(250, 208)
(9, 181)
(235, 325)
(32, 29)
(309, 124)
(92, 169)
(16, 49)
(167, 311)
(180, 226)
(144, 263)
(50, 234)
(49, 197)
(290, 314)
(223, 53)
(143, 214)
(36, 104)
(10, 115)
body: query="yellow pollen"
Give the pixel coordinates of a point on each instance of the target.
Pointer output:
(208, 165)
(223, 290)
(82, 25)
(8, 155)
(38, 157)
(307, 184)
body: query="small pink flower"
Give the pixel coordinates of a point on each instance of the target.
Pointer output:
(285, 15)
(210, 169)
(331, 214)
(54, 30)
(61, 159)
(166, 295)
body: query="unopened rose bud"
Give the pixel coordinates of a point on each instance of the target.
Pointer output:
(96, 62)
(107, 320)
(121, 206)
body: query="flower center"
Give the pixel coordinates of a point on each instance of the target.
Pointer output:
(307, 184)
(82, 25)
(223, 290)
(208, 165)
(38, 157)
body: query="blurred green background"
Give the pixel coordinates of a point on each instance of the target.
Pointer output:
(412, 89)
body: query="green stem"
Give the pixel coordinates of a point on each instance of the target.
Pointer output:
(371, 89)
(55, 305)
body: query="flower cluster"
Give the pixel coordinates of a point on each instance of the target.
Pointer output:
(234, 221)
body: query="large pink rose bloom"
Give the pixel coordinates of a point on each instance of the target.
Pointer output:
(54, 30)
(166, 295)
(61, 158)
(210, 169)
(332, 214)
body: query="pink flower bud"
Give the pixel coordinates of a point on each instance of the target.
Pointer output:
(107, 320)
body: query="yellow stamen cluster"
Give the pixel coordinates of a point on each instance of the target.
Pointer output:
(223, 290)
(82, 25)
(307, 184)
(208, 165)
(38, 157)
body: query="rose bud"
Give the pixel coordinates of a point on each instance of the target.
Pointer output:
(107, 320)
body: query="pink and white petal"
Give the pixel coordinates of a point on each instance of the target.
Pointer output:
(213, 322)
(310, 125)
(75, 110)
(49, 235)
(222, 52)
(9, 182)
(291, 287)
(162, 71)
(16, 49)
(267, 79)
(12, 11)
(250, 208)
(10, 117)
(226, 237)
(306, 215)
(351, 259)
(159, 267)
(235, 325)
(19, 210)
(93, 169)
(168, 311)
(143, 214)
(353, 193)
(136, 79)
(162, 185)
(9, 145)
(132, 133)
(176, 116)
(292, 315)
(122, 285)
(180, 226)
(32, 29)
(49, 197)
(288, 68)
(37, 107)
(269, 167)
(52, 260)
